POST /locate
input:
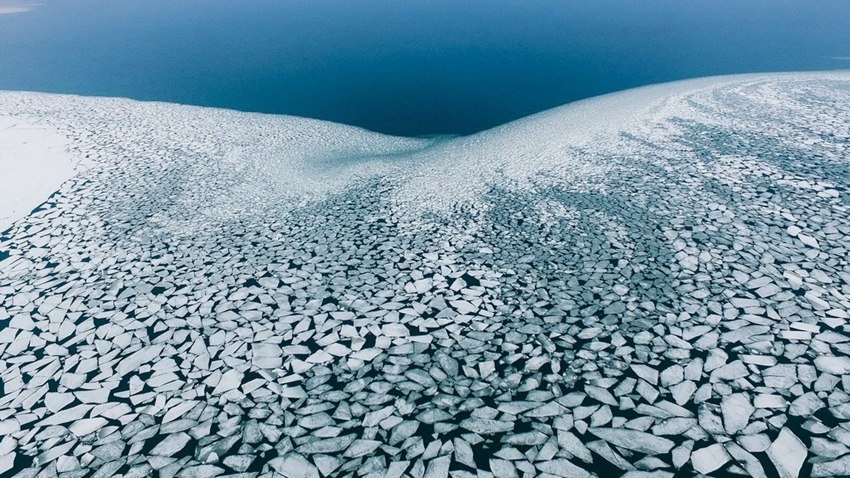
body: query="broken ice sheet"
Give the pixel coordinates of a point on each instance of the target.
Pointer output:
(214, 298)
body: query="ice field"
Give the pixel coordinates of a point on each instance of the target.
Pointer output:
(652, 283)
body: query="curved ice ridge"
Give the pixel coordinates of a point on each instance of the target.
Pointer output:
(643, 284)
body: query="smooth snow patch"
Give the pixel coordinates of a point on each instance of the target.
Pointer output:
(33, 163)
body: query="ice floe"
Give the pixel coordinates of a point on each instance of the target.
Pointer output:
(650, 283)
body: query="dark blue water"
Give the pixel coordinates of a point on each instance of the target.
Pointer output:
(409, 67)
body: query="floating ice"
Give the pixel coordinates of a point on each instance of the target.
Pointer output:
(655, 282)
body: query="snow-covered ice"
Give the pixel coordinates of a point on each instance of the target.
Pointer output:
(33, 164)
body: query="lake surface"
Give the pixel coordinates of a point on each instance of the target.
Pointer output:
(413, 67)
